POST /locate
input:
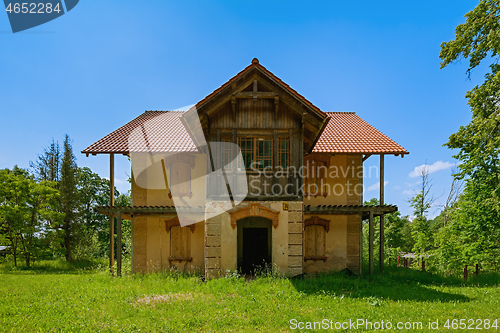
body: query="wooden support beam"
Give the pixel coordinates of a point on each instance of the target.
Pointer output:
(119, 245)
(370, 243)
(382, 226)
(112, 218)
(366, 157)
(255, 94)
(255, 85)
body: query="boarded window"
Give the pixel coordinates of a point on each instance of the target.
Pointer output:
(315, 236)
(283, 152)
(180, 243)
(180, 175)
(316, 174)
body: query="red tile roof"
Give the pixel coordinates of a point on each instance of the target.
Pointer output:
(152, 131)
(162, 131)
(347, 133)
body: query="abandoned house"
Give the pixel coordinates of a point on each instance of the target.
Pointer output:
(284, 187)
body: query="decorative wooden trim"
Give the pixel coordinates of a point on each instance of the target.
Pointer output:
(318, 158)
(254, 209)
(180, 259)
(315, 258)
(315, 220)
(180, 158)
(175, 222)
(306, 194)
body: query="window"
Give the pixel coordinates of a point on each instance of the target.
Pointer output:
(180, 240)
(180, 174)
(257, 153)
(316, 172)
(315, 238)
(227, 154)
(247, 152)
(283, 152)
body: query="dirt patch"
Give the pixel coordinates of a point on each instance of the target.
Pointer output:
(168, 298)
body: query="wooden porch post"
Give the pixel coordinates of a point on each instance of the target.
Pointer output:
(382, 182)
(112, 218)
(119, 245)
(370, 244)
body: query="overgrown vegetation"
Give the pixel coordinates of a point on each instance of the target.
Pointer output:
(62, 296)
(46, 212)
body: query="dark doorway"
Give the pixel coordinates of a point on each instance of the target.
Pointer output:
(254, 245)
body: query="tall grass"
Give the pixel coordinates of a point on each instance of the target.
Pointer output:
(56, 296)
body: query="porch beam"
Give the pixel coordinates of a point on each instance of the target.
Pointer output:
(111, 217)
(370, 243)
(366, 157)
(382, 226)
(119, 245)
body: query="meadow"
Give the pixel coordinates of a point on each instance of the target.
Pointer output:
(54, 296)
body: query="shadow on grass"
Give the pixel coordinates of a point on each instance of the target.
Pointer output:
(397, 284)
(53, 267)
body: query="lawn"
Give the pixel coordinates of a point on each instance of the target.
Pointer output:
(58, 297)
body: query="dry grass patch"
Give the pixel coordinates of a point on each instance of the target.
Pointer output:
(168, 298)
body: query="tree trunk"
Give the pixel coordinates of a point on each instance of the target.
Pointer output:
(67, 245)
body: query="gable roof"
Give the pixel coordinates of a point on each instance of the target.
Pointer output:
(152, 131)
(346, 132)
(162, 131)
(255, 64)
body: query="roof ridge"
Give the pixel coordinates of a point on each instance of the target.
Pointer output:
(255, 64)
(343, 112)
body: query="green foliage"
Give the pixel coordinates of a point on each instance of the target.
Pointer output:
(396, 237)
(68, 297)
(475, 225)
(25, 205)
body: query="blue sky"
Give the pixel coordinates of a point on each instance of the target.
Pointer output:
(105, 62)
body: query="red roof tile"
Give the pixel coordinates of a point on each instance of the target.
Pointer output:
(152, 131)
(347, 133)
(162, 131)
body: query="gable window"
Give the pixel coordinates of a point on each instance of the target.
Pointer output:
(257, 153)
(227, 154)
(180, 241)
(283, 153)
(315, 238)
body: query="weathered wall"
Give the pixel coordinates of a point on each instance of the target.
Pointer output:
(343, 241)
(221, 238)
(150, 239)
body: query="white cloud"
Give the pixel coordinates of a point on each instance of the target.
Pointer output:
(409, 192)
(185, 108)
(376, 186)
(439, 165)
(397, 187)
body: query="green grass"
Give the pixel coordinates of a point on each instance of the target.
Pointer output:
(59, 297)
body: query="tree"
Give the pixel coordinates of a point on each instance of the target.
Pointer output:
(477, 223)
(24, 205)
(68, 196)
(395, 239)
(421, 203)
(48, 164)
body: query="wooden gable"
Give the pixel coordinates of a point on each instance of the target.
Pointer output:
(255, 100)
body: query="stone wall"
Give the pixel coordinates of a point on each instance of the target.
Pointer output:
(354, 234)
(295, 238)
